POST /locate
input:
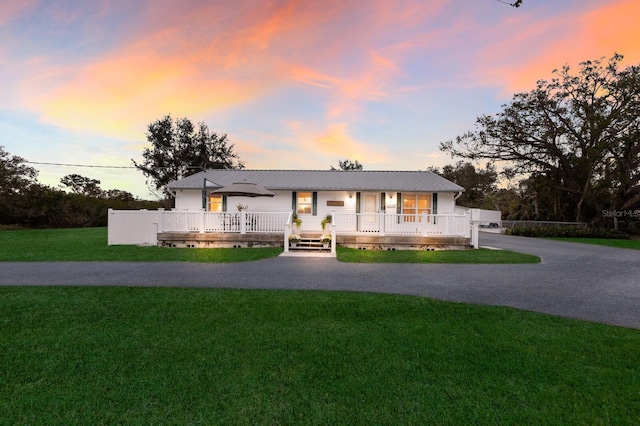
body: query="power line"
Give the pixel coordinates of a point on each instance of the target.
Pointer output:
(93, 166)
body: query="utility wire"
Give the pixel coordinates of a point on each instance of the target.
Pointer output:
(80, 165)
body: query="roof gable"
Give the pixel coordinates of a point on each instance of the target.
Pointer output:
(321, 180)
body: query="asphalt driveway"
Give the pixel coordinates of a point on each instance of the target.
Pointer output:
(581, 281)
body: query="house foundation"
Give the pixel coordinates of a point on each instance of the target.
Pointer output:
(359, 241)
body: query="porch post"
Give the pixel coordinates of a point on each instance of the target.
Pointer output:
(243, 222)
(475, 236)
(425, 228)
(287, 232)
(333, 231)
(382, 225)
(202, 221)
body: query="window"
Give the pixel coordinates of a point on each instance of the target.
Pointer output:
(305, 201)
(415, 204)
(215, 203)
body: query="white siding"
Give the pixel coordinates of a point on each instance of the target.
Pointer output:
(446, 203)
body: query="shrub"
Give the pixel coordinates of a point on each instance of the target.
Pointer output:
(565, 232)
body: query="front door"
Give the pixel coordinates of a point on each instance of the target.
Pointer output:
(370, 217)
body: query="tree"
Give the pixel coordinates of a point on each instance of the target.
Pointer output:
(579, 133)
(15, 179)
(478, 183)
(347, 165)
(179, 149)
(82, 185)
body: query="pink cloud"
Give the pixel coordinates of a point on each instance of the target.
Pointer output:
(198, 58)
(532, 47)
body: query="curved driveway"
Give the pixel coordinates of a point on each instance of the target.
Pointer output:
(581, 281)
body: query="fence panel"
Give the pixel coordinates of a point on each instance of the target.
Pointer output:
(132, 227)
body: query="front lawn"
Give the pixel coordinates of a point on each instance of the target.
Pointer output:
(90, 244)
(205, 356)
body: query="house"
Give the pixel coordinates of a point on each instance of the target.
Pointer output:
(366, 209)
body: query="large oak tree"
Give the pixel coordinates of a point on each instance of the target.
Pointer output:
(179, 149)
(580, 131)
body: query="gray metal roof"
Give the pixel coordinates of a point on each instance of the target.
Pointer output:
(321, 180)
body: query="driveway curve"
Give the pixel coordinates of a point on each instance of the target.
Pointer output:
(581, 281)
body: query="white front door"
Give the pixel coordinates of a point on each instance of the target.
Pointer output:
(370, 217)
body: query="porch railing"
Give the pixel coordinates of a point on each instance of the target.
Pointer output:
(242, 222)
(402, 224)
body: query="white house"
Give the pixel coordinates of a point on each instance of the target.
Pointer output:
(368, 209)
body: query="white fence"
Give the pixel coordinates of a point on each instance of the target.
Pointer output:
(128, 227)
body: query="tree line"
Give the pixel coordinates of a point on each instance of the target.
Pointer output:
(78, 202)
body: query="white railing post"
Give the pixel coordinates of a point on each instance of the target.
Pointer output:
(202, 226)
(243, 222)
(475, 236)
(333, 231)
(425, 224)
(381, 223)
(287, 231)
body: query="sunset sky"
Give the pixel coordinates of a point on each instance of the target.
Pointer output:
(295, 84)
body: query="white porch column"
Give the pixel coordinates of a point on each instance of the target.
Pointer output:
(202, 221)
(382, 223)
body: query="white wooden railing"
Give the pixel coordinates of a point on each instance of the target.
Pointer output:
(402, 224)
(242, 222)
(142, 227)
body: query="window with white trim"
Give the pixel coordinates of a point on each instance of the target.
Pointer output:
(215, 203)
(305, 202)
(415, 204)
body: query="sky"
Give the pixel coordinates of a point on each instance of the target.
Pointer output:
(295, 84)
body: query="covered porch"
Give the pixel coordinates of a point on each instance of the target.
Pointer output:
(202, 229)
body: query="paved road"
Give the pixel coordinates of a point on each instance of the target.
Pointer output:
(574, 280)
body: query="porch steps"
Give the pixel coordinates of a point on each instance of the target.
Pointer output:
(308, 243)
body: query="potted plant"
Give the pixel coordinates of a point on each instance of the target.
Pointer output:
(296, 220)
(294, 239)
(326, 220)
(325, 240)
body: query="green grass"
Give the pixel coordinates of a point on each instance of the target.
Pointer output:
(90, 244)
(205, 356)
(444, 256)
(628, 244)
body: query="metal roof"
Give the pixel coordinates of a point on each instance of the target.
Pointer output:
(321, 180)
